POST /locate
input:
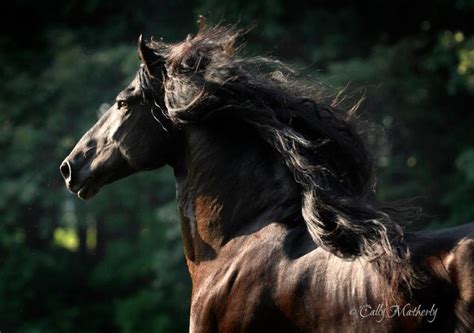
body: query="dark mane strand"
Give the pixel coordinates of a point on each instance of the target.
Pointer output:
(203, 76)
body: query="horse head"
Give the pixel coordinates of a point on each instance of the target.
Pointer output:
(131, 136)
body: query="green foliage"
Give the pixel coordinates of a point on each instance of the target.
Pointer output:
(116, 263)
(460, 197)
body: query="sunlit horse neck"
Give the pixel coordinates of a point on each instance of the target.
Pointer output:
(230, 184)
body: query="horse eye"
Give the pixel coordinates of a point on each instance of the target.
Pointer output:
(122, 104)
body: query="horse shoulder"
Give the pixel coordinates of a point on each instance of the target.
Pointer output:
(236, 290)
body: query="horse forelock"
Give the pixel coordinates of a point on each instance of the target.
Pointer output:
(204, 76)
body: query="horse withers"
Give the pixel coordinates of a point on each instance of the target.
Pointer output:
(280, 226)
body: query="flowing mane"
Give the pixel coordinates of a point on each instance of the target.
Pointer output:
(204, 76)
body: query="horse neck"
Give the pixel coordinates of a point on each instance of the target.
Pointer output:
(229, 184)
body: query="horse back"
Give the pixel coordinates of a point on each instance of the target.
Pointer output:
(445, 259)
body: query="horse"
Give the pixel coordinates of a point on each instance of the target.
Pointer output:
(280, 225)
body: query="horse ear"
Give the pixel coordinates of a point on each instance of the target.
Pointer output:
(150, 60)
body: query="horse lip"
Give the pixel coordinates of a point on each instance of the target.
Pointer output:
(91, 186)
(82, 189)
(87, 191)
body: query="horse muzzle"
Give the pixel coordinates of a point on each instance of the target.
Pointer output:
(79, 178)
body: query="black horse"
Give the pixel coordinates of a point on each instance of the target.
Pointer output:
(280, 226)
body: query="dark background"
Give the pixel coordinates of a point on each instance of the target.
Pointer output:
(115, 264)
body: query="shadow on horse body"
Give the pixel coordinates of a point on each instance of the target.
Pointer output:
(280, 227)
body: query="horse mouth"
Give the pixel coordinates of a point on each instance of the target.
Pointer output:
(91, 186)
(87, 190)
(87, 183)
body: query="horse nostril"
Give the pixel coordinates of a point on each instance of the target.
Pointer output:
(65, 170)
